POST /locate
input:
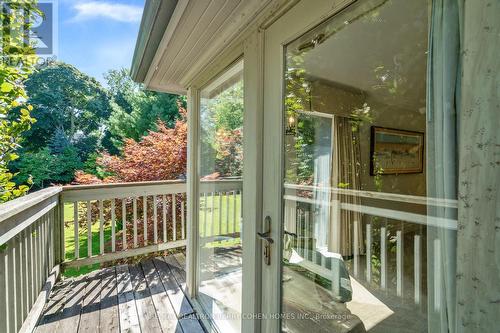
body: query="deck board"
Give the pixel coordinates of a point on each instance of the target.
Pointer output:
(72, 306)
(143, 297)
(166, 314)
(89, 317)
(180, 303)
(109, 318)
(148, 318)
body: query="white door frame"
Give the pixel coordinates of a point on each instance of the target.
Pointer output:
(250, 50)
(304, 16)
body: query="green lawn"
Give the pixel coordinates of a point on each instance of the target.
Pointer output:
(69, 233)
(213, 220)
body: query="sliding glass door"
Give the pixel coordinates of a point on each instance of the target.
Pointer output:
(220, 149)
(361, 203)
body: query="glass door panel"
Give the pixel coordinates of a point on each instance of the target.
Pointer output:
(367, 238)
(221, 188)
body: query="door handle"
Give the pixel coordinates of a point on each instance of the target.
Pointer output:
(266, 236)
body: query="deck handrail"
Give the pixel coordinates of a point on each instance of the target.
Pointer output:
(32, 241)
(16, 206)
(31, 249)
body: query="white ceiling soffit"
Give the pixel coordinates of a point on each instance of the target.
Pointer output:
(197, 31)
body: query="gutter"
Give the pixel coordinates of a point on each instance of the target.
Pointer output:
(155, 19)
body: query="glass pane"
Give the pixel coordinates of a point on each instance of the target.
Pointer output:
(221, 188)
(367, 238)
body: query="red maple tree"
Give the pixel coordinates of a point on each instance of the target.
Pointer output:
(160, 155)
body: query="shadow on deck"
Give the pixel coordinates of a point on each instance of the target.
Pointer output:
(144, 297)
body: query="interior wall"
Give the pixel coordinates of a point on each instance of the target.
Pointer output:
(339, 100)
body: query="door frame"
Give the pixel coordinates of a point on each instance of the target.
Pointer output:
(298, 20)
(250, 50)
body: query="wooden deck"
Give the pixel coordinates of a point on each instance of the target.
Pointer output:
(145, 297)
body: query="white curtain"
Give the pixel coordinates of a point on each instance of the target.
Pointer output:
(442, 144)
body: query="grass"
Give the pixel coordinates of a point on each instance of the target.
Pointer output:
(223, 221)
(212, 219)
(69, 237)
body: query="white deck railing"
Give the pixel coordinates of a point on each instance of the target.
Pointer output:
(31, 249)
(301, 219)
(113, 221)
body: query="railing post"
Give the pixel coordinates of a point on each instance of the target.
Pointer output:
(59, 232)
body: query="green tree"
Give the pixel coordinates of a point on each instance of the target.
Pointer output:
(37, 165)
(66, 164)
(66, 99)
(137, 111)
(16, 64)
(46, 167)
(59, 142)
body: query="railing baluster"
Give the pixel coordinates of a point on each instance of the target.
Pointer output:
(101, 227)
(40, 255)
(399, 263)
(36, 254)
(220, 213)
(356, 248)
(437, 274)
(164, 207)
(311, 253)
(336, 226)
(124, 223)
(368, 252)
(205, 213)
(29, 267)
(155, 220)
(241, 207)
(3, 291)
(76, 231)
(302, 235)
(212, 220)
(183, 220)
(145, 218)
(52, 226)
(135, 221)
(235, 213)
(43, 251)
(89, 229)
(113, 226)
(19, 273)
(11, 286)
(227, 213)
(416, 263)
(383, 257)
(174, 217)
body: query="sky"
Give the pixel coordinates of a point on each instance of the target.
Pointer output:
(98, 35)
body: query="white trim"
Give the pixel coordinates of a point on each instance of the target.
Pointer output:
(252, 178)
(192, 193)
(294, 23)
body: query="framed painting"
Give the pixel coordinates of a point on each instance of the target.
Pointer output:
(396, 151)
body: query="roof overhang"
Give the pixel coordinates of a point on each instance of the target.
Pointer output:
(155, 19)
(177, 39)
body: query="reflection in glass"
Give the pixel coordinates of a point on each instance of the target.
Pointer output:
(220, 187)
(363, 246)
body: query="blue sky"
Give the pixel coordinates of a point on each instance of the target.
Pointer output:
(98, 35)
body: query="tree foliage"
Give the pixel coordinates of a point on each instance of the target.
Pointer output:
(46, 167)
(221, 134)
(66, 99)
(160, 155)
(15, 114)
(138, 110)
